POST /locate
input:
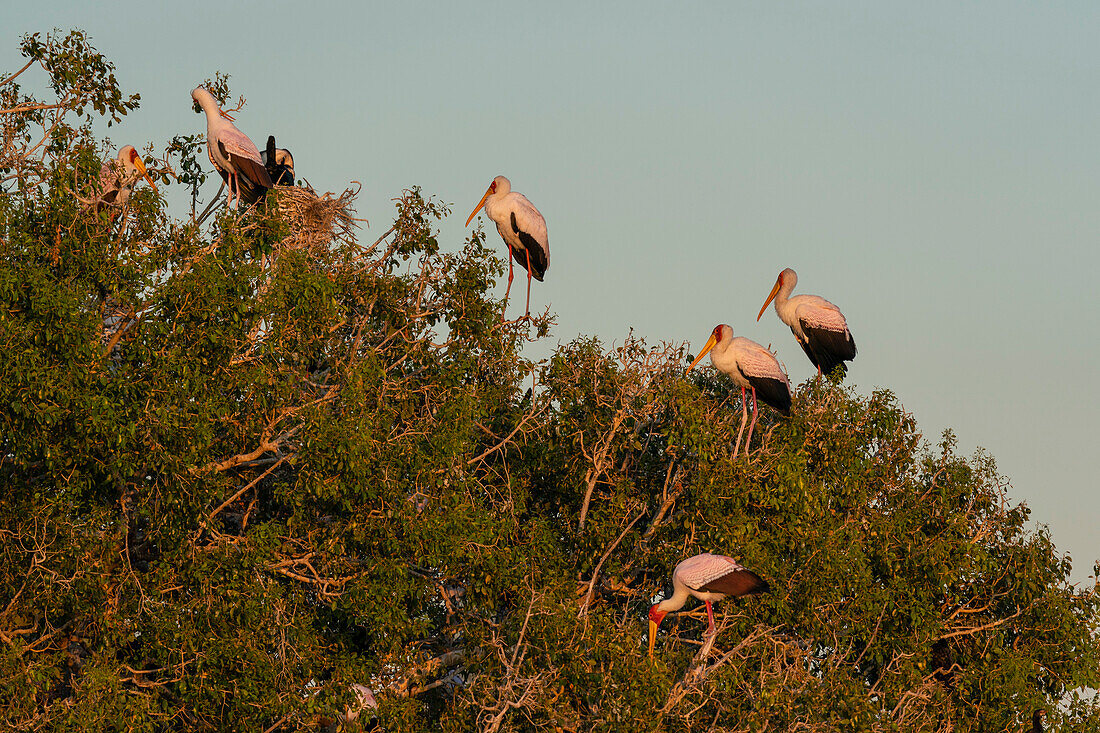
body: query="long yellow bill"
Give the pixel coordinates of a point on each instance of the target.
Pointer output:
(140, 165)
(652, 637)
(771, 296)
(478, 207)
(706, 350)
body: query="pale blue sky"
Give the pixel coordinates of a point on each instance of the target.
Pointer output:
(932, 168)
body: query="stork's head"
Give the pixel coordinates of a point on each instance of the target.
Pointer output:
(787, 279)
(656, 616)
(132, 162)
(205, 102)
(498, 187)
(720, 333)
(203, 99)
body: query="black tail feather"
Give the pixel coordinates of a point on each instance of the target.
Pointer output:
(829, 349)
(772, 392)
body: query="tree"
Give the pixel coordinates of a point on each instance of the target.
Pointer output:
(251, 465)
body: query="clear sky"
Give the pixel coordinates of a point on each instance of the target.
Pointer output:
(932, 168)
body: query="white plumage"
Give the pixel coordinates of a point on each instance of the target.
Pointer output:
(232, 153)
(522, 228)
(817, 325)
(752, 367)
(710, 578)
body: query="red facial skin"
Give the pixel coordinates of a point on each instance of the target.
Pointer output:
(656, 616)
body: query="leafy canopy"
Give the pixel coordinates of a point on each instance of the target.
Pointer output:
(249, 465)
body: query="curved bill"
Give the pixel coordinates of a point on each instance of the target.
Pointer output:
(652, 636)
(140, 165)
(706, 350)
(478, 207)
(771, 296)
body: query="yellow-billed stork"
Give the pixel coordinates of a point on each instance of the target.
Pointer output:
(279, 163)
(522, 228)
(117, 177)
(750, 366)
(710, 578)
(233, 154)
(817, 324)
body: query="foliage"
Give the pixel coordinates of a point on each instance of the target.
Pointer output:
(250, 466)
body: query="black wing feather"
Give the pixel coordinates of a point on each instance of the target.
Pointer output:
(741, 582)
(531, 247)
(830, 348)
(252, 177)
(773, 392)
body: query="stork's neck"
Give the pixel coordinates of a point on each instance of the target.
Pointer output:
(209, 106)
(495, 211)
(679, 597)
(784, 293)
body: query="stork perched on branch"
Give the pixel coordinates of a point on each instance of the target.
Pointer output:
(750, 366)
(232, 153)
(817, 324)
(117, 178)
(710, 578)
(522, 228)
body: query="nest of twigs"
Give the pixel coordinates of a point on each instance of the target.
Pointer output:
(316, 223)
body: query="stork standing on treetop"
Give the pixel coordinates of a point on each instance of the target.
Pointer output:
(750, 366)
(817, 324)
(710, 578)
(117, 178)
(234, 155)
(522, 228)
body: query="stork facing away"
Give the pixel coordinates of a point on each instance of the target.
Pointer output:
(817, 324)
(710, 578)
(233, 154)
(522, 228)
(279, 163)
(751, 367)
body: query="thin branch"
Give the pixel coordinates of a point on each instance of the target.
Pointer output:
(597, 465)
(238, 495)
(512, 434)
(25, 67)
(596, 572)
(976, 629)
(31, 108)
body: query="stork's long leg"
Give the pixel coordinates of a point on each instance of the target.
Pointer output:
(509, 288)
(710, 618)
(744, 417)
(234, 183)
(528, 253)
(753, 425)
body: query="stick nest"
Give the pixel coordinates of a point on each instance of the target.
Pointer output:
(319, 224)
